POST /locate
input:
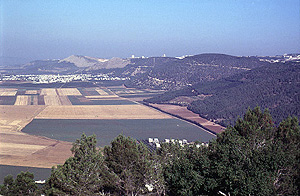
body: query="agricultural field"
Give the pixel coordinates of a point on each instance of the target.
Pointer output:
(187, 114)
(107, 129)
(39, 173)
(37, 125)
(135, 94)
(136, 111)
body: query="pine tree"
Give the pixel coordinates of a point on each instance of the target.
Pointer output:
(131, 162)
(83, 174)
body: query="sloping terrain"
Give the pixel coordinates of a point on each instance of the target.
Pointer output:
(275, 86)
(48, 66)
(170, 73)
(83, 61)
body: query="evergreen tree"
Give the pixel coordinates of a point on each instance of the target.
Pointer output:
(23, 185)
(131, 162)
(249, 158)
(287, 143)
(83, 174)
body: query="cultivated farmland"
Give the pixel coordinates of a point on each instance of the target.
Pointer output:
(50, 115)
(136, 111)
(68, 91)
(20, 149)
(22, 100)
(8, 92)
(107, 129)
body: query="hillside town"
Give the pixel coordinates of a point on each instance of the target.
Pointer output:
(53, 78)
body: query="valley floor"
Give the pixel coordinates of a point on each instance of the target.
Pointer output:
(23, 107)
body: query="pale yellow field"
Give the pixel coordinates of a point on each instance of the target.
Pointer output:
(101, 92)
(15, 117)
(49, 92)
(31, 92)
(101, 112)
(18, 149)
(8, 92)
(3, 121)
(15, 122)
(22, 100)
(52, 100)
(68, 91)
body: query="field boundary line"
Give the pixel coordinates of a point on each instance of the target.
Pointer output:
(181, 118)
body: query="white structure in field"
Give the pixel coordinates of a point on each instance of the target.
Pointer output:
(156, 140)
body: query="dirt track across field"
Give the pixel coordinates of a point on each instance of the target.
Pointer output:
(187, 114)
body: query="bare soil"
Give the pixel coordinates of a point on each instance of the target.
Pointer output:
(20, 149)
(101, 112)
(187, 114)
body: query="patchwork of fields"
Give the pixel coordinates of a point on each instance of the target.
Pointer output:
(37, 125)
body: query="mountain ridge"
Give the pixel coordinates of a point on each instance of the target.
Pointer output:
(274, 86)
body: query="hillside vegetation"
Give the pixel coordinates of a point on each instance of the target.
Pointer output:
(253, 157)
(274, 86)
(174, 73)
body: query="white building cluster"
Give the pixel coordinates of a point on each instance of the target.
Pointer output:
(52, 78)
(182, 142)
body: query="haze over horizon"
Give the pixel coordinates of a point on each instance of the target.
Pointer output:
(36, 29)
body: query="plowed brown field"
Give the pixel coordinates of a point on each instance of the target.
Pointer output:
(101, 112)
(20, 149)
(187, 114)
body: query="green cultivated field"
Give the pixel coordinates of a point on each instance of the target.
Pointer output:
(107, 130)
(39, 173)
(80, 100)
(7, 100)
(88, 91)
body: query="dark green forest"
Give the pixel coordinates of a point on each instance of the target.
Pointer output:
(275, 86)
(253, 157)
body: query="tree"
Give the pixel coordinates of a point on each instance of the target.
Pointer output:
(252, 158)
(24, 184)
(83, 174)
(8, 185)
(179, 173)
(130, 161)
(287, 142)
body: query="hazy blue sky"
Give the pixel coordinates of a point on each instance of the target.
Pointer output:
(42, 29)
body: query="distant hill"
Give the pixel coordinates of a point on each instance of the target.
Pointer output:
(281, 58)
(69, 65)
(274, 86)
(48, 66)
(112, 63)
(170, 73)
(83, 61)
(91, 63)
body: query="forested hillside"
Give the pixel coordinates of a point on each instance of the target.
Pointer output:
(274, 86)
(173, 73)
(253, 157)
